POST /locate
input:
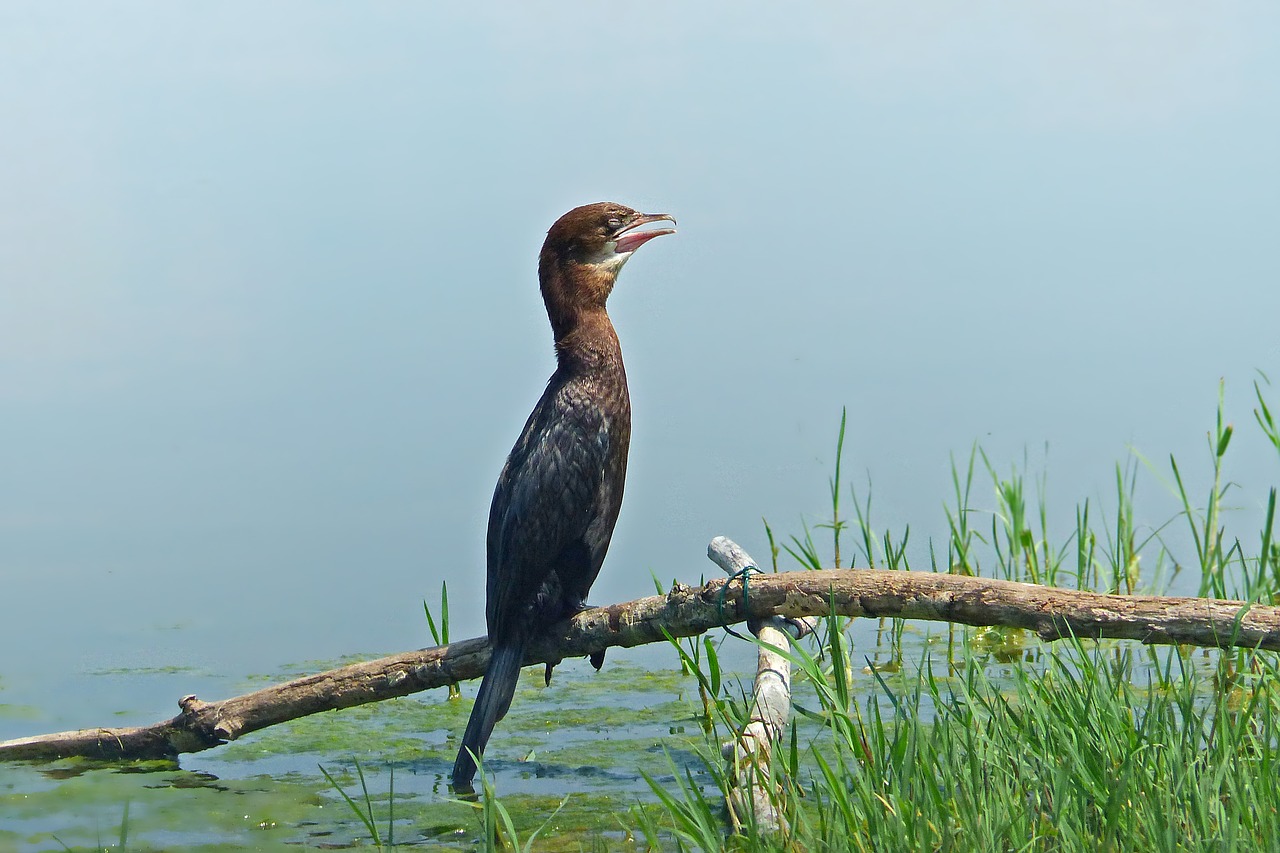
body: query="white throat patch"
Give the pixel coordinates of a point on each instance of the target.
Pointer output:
(612, 261)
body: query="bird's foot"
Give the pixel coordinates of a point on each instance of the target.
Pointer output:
(572, 608)
(575, 606)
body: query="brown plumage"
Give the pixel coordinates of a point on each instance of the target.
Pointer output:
(558, 496)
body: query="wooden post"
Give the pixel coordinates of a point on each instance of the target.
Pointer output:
(755, 794)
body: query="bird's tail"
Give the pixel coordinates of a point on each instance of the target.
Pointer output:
(492, 702)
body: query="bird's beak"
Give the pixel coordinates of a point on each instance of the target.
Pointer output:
(627, 239)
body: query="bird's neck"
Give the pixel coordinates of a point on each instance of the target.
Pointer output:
(589, 344)
(575, 295)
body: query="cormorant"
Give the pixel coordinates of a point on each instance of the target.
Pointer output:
(559, 493)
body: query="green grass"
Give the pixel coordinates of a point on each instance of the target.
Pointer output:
(991, 740)
(1070, 754)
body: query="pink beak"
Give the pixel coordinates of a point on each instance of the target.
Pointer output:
(628, 240)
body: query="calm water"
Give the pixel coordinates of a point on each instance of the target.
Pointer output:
(269, 319)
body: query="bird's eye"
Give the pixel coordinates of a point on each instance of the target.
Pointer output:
(615, 223)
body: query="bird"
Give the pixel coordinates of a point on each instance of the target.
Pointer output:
(558, 496)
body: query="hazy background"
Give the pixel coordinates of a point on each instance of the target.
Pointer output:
(269, 319)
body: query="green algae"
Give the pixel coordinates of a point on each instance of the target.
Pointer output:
(149, 670)
(579, 746)
(165, 805)
(20, 712)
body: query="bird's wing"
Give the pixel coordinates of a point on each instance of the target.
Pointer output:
(546, 497)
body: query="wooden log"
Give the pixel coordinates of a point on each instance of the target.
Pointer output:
(685, 612)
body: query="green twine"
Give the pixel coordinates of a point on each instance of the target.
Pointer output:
(742, 575)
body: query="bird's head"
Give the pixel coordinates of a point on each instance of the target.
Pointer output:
(602, 234)
(584, 251)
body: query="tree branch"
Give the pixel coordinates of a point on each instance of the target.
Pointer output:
(684, 612)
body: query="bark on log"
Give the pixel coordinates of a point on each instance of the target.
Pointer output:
(685, 612)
